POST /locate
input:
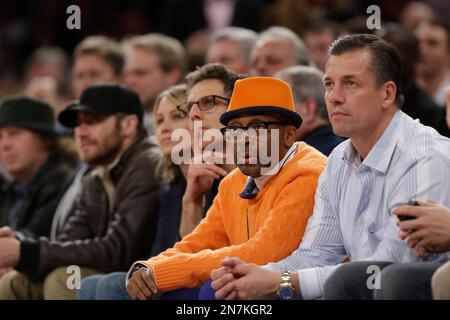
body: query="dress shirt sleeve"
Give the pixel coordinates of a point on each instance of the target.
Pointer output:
(322, 250)
(322, 246)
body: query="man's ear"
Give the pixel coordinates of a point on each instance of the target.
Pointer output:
(309, 111)
(290, 136)
(129, 125)
(389, 93)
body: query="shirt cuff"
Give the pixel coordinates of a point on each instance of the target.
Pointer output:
(29, 256)
(309, 284)
(135, 267)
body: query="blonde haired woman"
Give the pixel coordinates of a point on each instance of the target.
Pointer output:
(166, 119)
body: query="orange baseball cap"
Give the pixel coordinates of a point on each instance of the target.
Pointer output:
(261, 95)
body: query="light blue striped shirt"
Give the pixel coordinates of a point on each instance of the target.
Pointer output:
(353, 202)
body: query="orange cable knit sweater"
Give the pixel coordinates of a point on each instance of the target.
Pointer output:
(260, 230)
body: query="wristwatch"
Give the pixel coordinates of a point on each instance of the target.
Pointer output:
(286, 291)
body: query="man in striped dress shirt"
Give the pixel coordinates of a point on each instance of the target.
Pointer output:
(388, 160)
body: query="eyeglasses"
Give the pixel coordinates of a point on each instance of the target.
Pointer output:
(204, 104)
(236, 131)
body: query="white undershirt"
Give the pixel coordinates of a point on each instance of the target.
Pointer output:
(262, 180)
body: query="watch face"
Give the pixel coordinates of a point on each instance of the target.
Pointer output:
(286, 293)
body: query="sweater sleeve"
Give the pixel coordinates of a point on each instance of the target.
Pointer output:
(210, 233)
(279, 235)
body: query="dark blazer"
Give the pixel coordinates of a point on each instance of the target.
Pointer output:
(171, 198)
(167, 231)
(34, 216)
(419, 105)
(323, 139)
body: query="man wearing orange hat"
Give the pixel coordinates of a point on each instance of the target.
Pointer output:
(261, 210)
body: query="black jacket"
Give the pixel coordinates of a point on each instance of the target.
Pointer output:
(323, 139)
(419, 105)
(34, 217)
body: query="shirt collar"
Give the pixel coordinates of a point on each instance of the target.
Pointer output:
(262, 180)
(381, 153)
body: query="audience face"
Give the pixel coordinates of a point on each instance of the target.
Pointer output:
(208, 118)
(46, 69)
(270, 56)
(354, 102)
(308, 116)
(143, 73)
(90, 69)
(306, 108)
(168, 118)
(318, 44)
(98, 138)
(44, 88)
(434, 49)
(22, 152)
(247, 165)
(414, 13)
(228, 53)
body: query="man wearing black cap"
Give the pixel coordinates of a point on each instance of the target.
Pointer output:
(116, 210)
(30, 153)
